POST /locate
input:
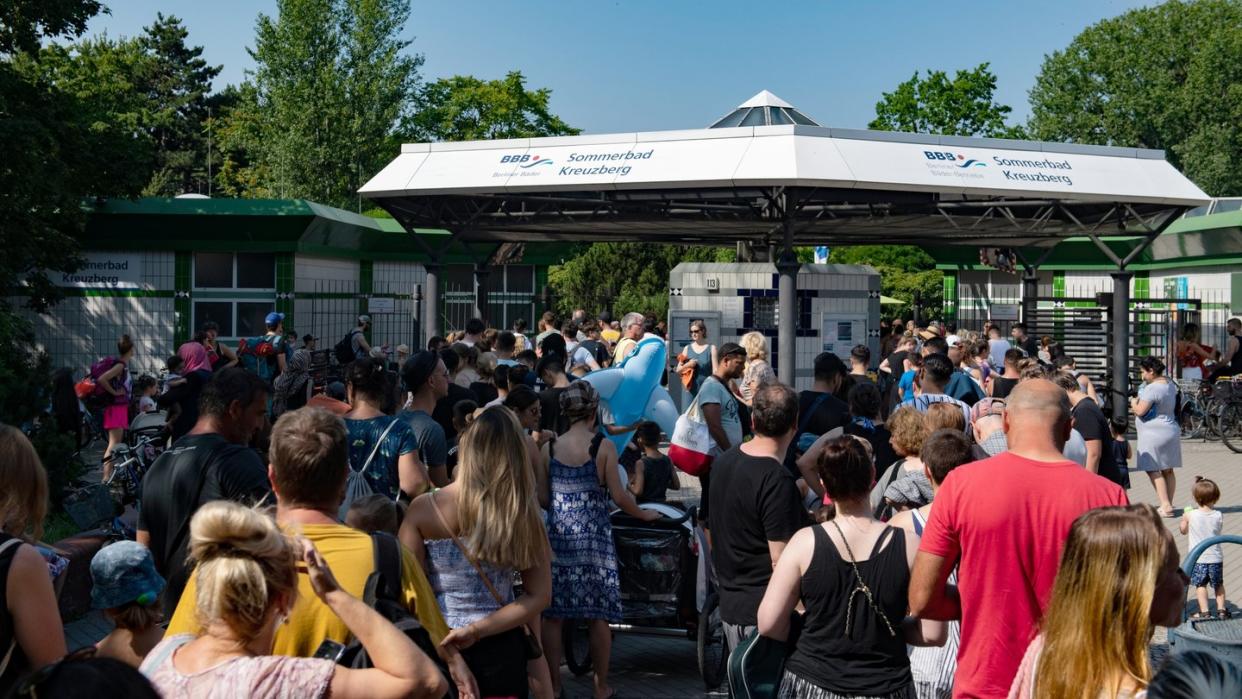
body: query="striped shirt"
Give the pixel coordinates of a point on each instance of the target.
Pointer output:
(933, 667)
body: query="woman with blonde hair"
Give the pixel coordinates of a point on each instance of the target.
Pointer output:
(1119, 578)
(28, 607)
(471, 536)
(246, 583)
(758, 371)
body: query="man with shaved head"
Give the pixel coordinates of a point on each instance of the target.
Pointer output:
(1003, 521)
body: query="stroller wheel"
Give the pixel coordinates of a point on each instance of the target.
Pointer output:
(713, 653)
(575, 642)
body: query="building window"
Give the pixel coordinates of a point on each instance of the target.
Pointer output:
(765, 313)
(238, 291)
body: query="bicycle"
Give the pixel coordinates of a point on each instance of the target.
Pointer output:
(1229, 422)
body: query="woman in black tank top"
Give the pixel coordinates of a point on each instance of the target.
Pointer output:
(1002, 386)
(851, 574)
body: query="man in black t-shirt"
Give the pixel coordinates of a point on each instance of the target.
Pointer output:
(819, 409)
(1096, 431)
(443, 413)
(1023, 341)
(211, 462)
(761, 498)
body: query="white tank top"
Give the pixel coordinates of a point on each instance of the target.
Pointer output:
(1205, 525)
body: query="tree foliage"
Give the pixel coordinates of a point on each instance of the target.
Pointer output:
(465, 108)
(624, 277)
(1168, 76)
(906, 273)
(959, 106)
(331, 91)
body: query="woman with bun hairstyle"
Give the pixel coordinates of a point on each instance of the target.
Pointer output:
(471, 537)
(1119, 579)
(29, 618)
(246, 578)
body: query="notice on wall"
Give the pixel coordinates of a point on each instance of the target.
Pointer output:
(103, 270)
(841, 332)
(1005, 311)
(377, 306)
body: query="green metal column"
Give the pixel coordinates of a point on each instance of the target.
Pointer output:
(182, 304)
(284, 288)
(366, 285)
(949, 291)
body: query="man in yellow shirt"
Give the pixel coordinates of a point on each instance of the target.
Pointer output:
(631, 332)
(309, 457)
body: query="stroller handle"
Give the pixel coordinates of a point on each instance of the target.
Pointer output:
(1192, 558)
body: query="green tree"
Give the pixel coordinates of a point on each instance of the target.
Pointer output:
(906, 273)
(624, 277)
(959, 106)
(177, 83)
(57, 150)
(465, 108)
(330, 92)
(1168, 76)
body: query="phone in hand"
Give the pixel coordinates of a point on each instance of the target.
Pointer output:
(330, 650)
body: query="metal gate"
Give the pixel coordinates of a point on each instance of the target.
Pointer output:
(336, 305)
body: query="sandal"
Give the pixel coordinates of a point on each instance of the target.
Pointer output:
(1223, 614)
(1200, 616)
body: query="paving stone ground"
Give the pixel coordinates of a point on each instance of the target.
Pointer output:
(659, 666)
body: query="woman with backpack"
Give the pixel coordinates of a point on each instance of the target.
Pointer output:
(382, 447)
(471, 536)
(114, 384)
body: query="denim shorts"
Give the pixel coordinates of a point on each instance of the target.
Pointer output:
(1208, 574)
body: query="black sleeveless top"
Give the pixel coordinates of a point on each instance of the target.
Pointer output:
(1001, 386)
(869, 660)
(18, 664)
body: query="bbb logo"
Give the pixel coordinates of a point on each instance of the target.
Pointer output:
(957, 159)
(524, 160)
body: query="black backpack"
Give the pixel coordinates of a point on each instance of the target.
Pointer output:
(383, 594)
(344, 350)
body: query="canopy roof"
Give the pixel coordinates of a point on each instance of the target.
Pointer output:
(819, 185)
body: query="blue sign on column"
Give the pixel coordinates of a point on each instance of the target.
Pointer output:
(821, 254)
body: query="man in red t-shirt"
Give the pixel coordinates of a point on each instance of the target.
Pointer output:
(1004, 521)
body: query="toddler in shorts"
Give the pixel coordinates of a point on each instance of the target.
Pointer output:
(1199, 524)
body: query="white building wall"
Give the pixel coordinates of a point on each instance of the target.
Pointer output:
(81, 329)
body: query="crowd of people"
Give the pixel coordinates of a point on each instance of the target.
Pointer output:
(947, 518)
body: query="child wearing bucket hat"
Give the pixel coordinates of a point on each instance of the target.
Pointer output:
(127, 589)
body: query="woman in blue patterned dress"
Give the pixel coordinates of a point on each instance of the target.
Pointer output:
(395, 470)
(584, 562)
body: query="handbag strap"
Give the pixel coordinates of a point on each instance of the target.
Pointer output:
(466, 554)
(378, 442)
(862, 585)
(4, 664)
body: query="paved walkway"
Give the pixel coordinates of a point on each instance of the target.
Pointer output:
(658, 666)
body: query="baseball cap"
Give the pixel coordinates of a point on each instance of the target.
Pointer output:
(579, 400)
(122, 573)
(418, 368)
(953, 340)
(730, 348)
(364, 319)
(987, 406)
(273, 318)
(928, 333)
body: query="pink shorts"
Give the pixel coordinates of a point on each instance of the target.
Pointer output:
(116, 417)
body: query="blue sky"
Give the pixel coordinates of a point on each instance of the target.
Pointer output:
(648, 65)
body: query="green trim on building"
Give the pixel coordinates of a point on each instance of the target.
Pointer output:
(949, 295)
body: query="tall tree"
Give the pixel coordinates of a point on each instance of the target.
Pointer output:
(1168, 76)
(963, 105)
(465, 108)
(177, 82)
(330, 90)
(906, 273)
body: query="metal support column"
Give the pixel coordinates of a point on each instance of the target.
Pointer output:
(1030, 292)
(1120, 322)
(482, 271)
(431, 307)
(787, 308)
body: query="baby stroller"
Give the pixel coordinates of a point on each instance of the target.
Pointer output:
(667, 587)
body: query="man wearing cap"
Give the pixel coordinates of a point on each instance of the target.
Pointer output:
(126, 588)
(275, 323)
(427, 379)
(358, 338)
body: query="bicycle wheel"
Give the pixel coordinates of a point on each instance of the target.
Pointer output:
(712, 650)
(1192, 419)
(1230, 427)
(575, 646)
